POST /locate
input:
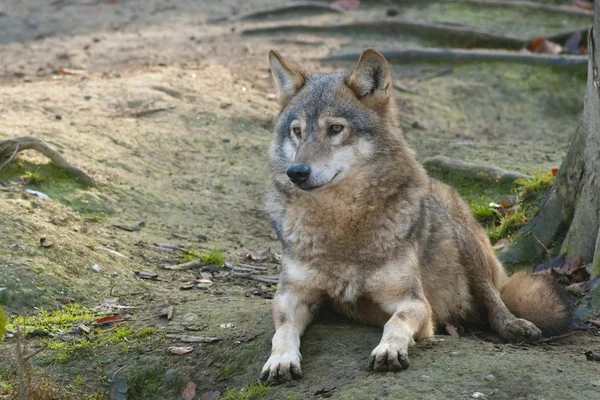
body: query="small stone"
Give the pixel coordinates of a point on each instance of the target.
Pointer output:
(490, 377)
(58, 117)
(478, 395)
(96, 268)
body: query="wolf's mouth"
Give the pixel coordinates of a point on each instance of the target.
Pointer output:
(311, 188)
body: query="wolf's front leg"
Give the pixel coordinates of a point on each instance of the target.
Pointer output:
(291, 312)
(411, 319)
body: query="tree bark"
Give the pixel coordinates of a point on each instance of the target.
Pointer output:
(570, 216)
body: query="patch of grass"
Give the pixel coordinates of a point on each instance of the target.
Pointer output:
(92, 218)
(256, 391)
(213, 257)
(532, 188)
(148, 382)
(32, 178)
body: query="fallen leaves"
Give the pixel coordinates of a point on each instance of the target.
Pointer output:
(180, 351)
(544, 46)
(210, 396)
(45, 242)
(112, 319)
(451, 329)
(189, 392)
(259, 255)
(166, 313)
(570, 270)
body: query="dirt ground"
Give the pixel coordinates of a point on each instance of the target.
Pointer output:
(172, 119)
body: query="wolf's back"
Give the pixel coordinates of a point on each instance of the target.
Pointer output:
(538, 299)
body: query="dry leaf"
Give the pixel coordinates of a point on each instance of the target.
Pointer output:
(259, 255)
(554, 171)
(571, 266)
(451, 329)
(586, 5)
(210, 396)
(583, 287)
(180, 351)
(45, 242)
(113, 319)
(189, 392)
(595, 322)
(68, 71)
(544, 46)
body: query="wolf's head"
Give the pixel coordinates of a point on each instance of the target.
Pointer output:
(331, 124)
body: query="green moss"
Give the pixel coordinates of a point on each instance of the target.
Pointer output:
(53, 322)
(239, 360)
(531, 188)
(32, 178)
(213, 257)
(256, 391)
(520, 22)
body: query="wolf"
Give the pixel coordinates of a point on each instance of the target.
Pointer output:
(366, 231)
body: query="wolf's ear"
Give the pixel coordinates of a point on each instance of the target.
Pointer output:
(371, 79)
(288, 77)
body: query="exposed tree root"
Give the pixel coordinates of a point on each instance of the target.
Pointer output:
(300, 7)
(11, 147)
(462, 56)
(448, 34)
(563, 9)
(476, 172)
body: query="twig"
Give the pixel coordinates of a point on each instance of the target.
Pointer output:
(116, 372)
(302, 6)
(255, 267)
(33, 143)
(144, 113)
(21, 362)
(183, 267)
(254, 278)
(563, 9)
(550, 339)
(463, 56)
(10, 158)
(113, 252)
(545, 248)
(445, 71)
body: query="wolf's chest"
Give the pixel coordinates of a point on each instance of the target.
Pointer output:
(343, 283)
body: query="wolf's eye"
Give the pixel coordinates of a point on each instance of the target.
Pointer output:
(297, 131)
(335, 129)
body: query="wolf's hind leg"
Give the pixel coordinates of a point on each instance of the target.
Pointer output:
(411, 319)
(291, 312)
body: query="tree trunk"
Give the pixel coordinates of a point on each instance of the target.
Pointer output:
(570, 216)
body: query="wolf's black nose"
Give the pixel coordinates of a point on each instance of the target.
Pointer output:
(298, 173)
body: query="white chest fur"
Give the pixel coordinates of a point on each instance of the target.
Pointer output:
(342, 283)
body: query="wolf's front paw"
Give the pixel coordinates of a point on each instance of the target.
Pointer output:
(389, 357)
(519, 330)
(281, 368)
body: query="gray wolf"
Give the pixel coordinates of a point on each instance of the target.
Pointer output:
(366, 231)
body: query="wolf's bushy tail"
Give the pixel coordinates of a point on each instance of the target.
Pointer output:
(538, 299)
